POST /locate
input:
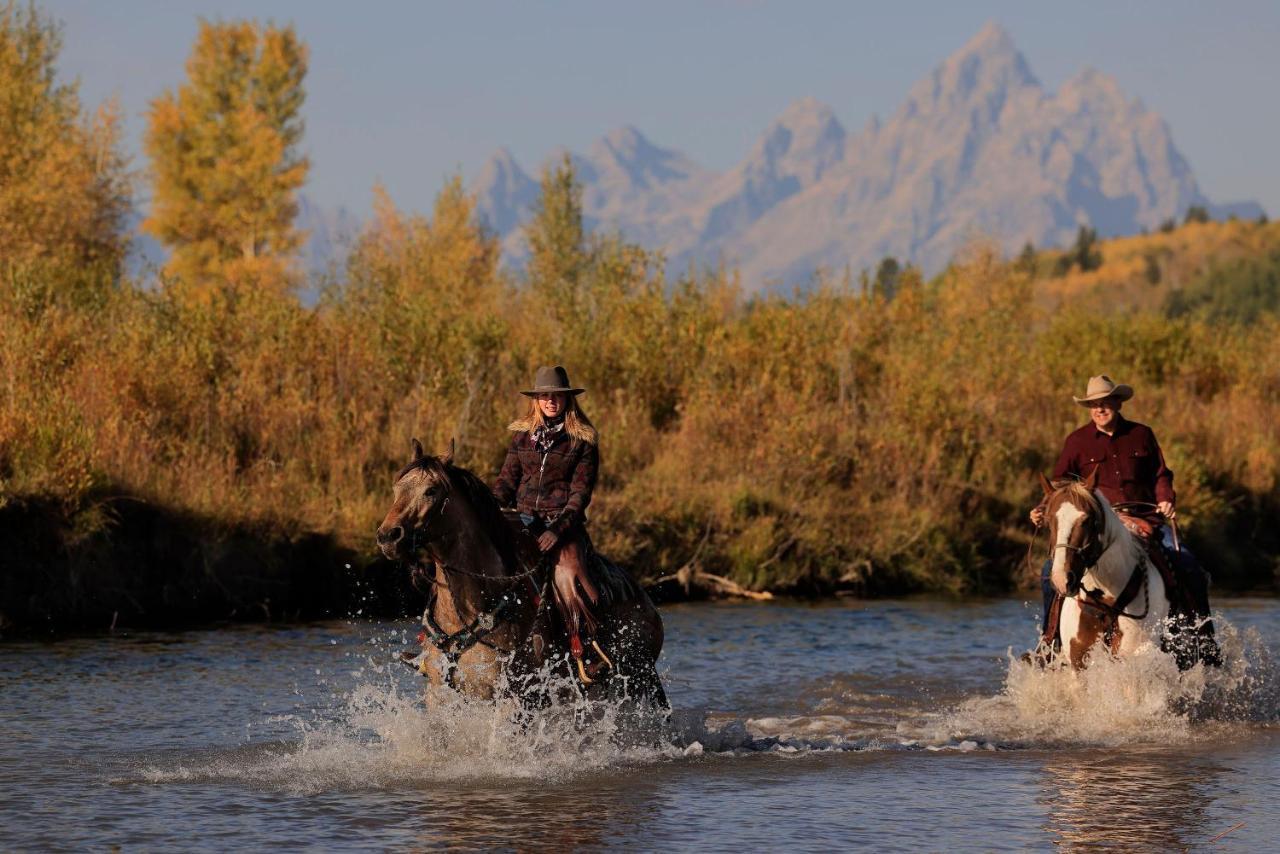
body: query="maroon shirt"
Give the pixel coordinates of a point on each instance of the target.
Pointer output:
(1129, 462)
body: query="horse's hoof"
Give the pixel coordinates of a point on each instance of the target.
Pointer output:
(1034, 656)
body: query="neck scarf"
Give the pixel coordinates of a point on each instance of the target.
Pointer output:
(544, 435)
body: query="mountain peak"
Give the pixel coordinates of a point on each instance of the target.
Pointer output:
(978, 146)
(807, 110)
(987, 68)
(991, 40)
(503, 191)
(501, 166)
(1099, 93)
(806, 139)
(626, 137)
(627, 154)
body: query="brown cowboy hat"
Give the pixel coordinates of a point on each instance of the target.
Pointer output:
(551, 380)
(1101, 387)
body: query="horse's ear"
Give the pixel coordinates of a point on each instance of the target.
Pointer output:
(1044, 483)
(1091, 482)
(417, 451)
(447, 456)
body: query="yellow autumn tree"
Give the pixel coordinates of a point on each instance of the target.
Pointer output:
(225, 162)
(64, 190)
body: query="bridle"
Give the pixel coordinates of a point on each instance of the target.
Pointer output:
(1089, 553)
(453, 645)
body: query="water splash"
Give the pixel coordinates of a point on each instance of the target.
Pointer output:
(1139, 699)
(387, 733)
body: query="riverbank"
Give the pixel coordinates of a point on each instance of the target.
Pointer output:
(120, 564)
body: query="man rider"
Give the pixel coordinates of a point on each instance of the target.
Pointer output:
(1131, 469)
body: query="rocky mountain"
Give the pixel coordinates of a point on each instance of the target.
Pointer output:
(979, 148)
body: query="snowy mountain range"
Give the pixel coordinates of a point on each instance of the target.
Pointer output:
(979, 148)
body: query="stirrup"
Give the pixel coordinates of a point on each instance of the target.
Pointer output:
(605, 663)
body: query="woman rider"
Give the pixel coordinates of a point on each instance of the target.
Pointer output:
(549, 473)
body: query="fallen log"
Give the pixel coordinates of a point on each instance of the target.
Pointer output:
(690, 583)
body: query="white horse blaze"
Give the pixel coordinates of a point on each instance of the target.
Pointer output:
(1067, 516)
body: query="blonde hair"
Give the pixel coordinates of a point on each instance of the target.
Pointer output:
(576, 422)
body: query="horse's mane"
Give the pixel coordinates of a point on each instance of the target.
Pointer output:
(1085, 498)
(1090, 501)
(615, 584)
(477, 493)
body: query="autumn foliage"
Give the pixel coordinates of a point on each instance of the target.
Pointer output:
(224, 160)
(837, 438)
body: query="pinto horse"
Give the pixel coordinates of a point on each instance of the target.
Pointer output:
(488, 617)
(1109, 590)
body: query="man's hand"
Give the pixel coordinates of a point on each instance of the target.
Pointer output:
(1166, 510)
(1037, 516)
(547, 541)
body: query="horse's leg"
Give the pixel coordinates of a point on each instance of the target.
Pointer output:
(1079, 631)
(632, 637)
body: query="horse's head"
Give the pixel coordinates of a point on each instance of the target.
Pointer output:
(1076, 525)
(421, 494)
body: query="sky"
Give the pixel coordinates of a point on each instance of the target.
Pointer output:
(407, 93)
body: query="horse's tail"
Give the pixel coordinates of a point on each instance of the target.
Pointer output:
(615, 584)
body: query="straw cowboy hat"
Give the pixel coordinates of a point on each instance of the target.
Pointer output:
(1101, 387)
(551, 380)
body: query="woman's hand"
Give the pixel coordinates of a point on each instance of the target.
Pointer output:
(547, 541)
(1037, 516)
(1166, 510)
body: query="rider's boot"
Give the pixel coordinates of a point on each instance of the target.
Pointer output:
(1190, 575)
(1197, 581)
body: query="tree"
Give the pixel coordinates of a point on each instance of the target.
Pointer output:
(1152, 268)
(1084, 254)
(1167, 226)
(1197, 213)
(558, 254)
(1028, 259)
(224, 158)
(64, 188)
(886, 280)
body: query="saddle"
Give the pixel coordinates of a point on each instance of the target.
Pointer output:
(1145, 525)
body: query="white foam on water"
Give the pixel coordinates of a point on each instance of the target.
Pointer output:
(1142, 698)
(387, 735)
(384, 736)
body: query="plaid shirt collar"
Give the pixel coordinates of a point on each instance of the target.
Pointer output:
(544, 435)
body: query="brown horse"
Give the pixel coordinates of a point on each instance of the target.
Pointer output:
(489, 628)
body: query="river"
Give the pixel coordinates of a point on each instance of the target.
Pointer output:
(899, 725)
